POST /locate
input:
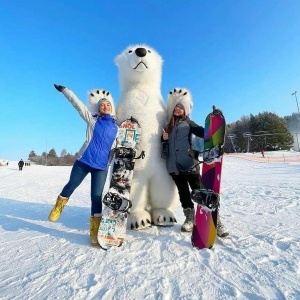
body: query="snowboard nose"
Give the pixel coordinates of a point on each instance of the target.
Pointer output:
(140, 52)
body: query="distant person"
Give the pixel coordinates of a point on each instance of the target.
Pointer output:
(7, 163)
(93, 158)
(263, 152)
(21, 164)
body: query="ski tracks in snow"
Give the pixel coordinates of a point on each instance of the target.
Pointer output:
(259, 260)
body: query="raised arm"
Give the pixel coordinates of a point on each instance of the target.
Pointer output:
(74, 100)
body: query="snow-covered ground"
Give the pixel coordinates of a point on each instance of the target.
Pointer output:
(260, 204)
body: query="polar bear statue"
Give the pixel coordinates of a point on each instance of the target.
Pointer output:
(153, 193)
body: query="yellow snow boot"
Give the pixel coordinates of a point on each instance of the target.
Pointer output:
(94, 227)
(58, 208)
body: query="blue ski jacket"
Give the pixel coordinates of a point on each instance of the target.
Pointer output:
(101, 133)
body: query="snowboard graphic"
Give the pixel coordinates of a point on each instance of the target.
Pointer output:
(116, 201)
(205, 229)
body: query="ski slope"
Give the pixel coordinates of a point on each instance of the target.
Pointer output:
(260, 204)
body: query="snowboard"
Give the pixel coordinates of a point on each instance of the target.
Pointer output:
(207, 197)
(113, 223)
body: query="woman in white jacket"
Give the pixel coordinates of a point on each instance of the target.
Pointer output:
(93, 157)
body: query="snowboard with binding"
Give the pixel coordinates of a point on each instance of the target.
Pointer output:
(116, 201)
(207, 197)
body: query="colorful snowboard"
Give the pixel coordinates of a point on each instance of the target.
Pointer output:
(205, 229)
(113, 223)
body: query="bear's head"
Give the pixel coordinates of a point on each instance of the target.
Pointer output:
(139, 64)
(93, 100)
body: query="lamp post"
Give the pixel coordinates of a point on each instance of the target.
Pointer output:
(295, 94)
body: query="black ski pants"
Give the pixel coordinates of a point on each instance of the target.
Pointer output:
(184, 182)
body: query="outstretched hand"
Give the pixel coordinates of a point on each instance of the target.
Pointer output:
(60, 88)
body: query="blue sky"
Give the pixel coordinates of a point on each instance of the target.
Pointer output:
(242, 56)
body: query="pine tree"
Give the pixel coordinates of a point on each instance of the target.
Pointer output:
(52, 153)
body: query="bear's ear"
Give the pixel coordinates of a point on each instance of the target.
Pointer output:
(170, 93)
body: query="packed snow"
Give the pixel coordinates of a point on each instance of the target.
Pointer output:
(260, 204)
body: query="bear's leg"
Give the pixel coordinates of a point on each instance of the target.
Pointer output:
(139, 217)
(163, 197)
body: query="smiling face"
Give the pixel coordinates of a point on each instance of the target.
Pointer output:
(179, 111)
(105, 108)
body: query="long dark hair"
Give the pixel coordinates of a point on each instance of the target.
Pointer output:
(172, 122)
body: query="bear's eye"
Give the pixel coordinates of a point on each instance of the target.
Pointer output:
(149, 51)
(130, 51)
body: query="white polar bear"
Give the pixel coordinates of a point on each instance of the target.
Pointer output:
(153, 193)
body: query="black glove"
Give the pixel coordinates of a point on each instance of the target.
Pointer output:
(60, 88)
(217, 111)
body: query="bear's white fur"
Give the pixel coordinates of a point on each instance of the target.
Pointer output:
(153, 193)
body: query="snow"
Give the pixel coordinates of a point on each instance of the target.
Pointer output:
(259, 260)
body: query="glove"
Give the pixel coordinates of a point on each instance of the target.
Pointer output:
(60, 88)
(217, 111)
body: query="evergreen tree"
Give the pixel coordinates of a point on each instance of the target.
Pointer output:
(32, 154)
(52, 153)
(265, 131)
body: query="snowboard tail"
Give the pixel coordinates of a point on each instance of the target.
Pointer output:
(207, 196)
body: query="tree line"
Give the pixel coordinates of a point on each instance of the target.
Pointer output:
(52, 159)
(265, 131)
(251, 133)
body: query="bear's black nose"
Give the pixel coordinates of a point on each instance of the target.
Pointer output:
(141, 52)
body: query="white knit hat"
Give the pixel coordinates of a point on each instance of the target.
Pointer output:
(179, 96)
(96, 97)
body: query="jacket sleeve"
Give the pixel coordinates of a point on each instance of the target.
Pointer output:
(196, 129)
(78, 105)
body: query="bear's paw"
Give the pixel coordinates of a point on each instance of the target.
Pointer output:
(140, 220)
(163, 217)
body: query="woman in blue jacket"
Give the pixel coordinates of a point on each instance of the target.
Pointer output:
(93, 157)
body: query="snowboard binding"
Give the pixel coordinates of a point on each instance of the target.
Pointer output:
(123, 152)
(207, 198)
(211, 154)
(117, 203)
